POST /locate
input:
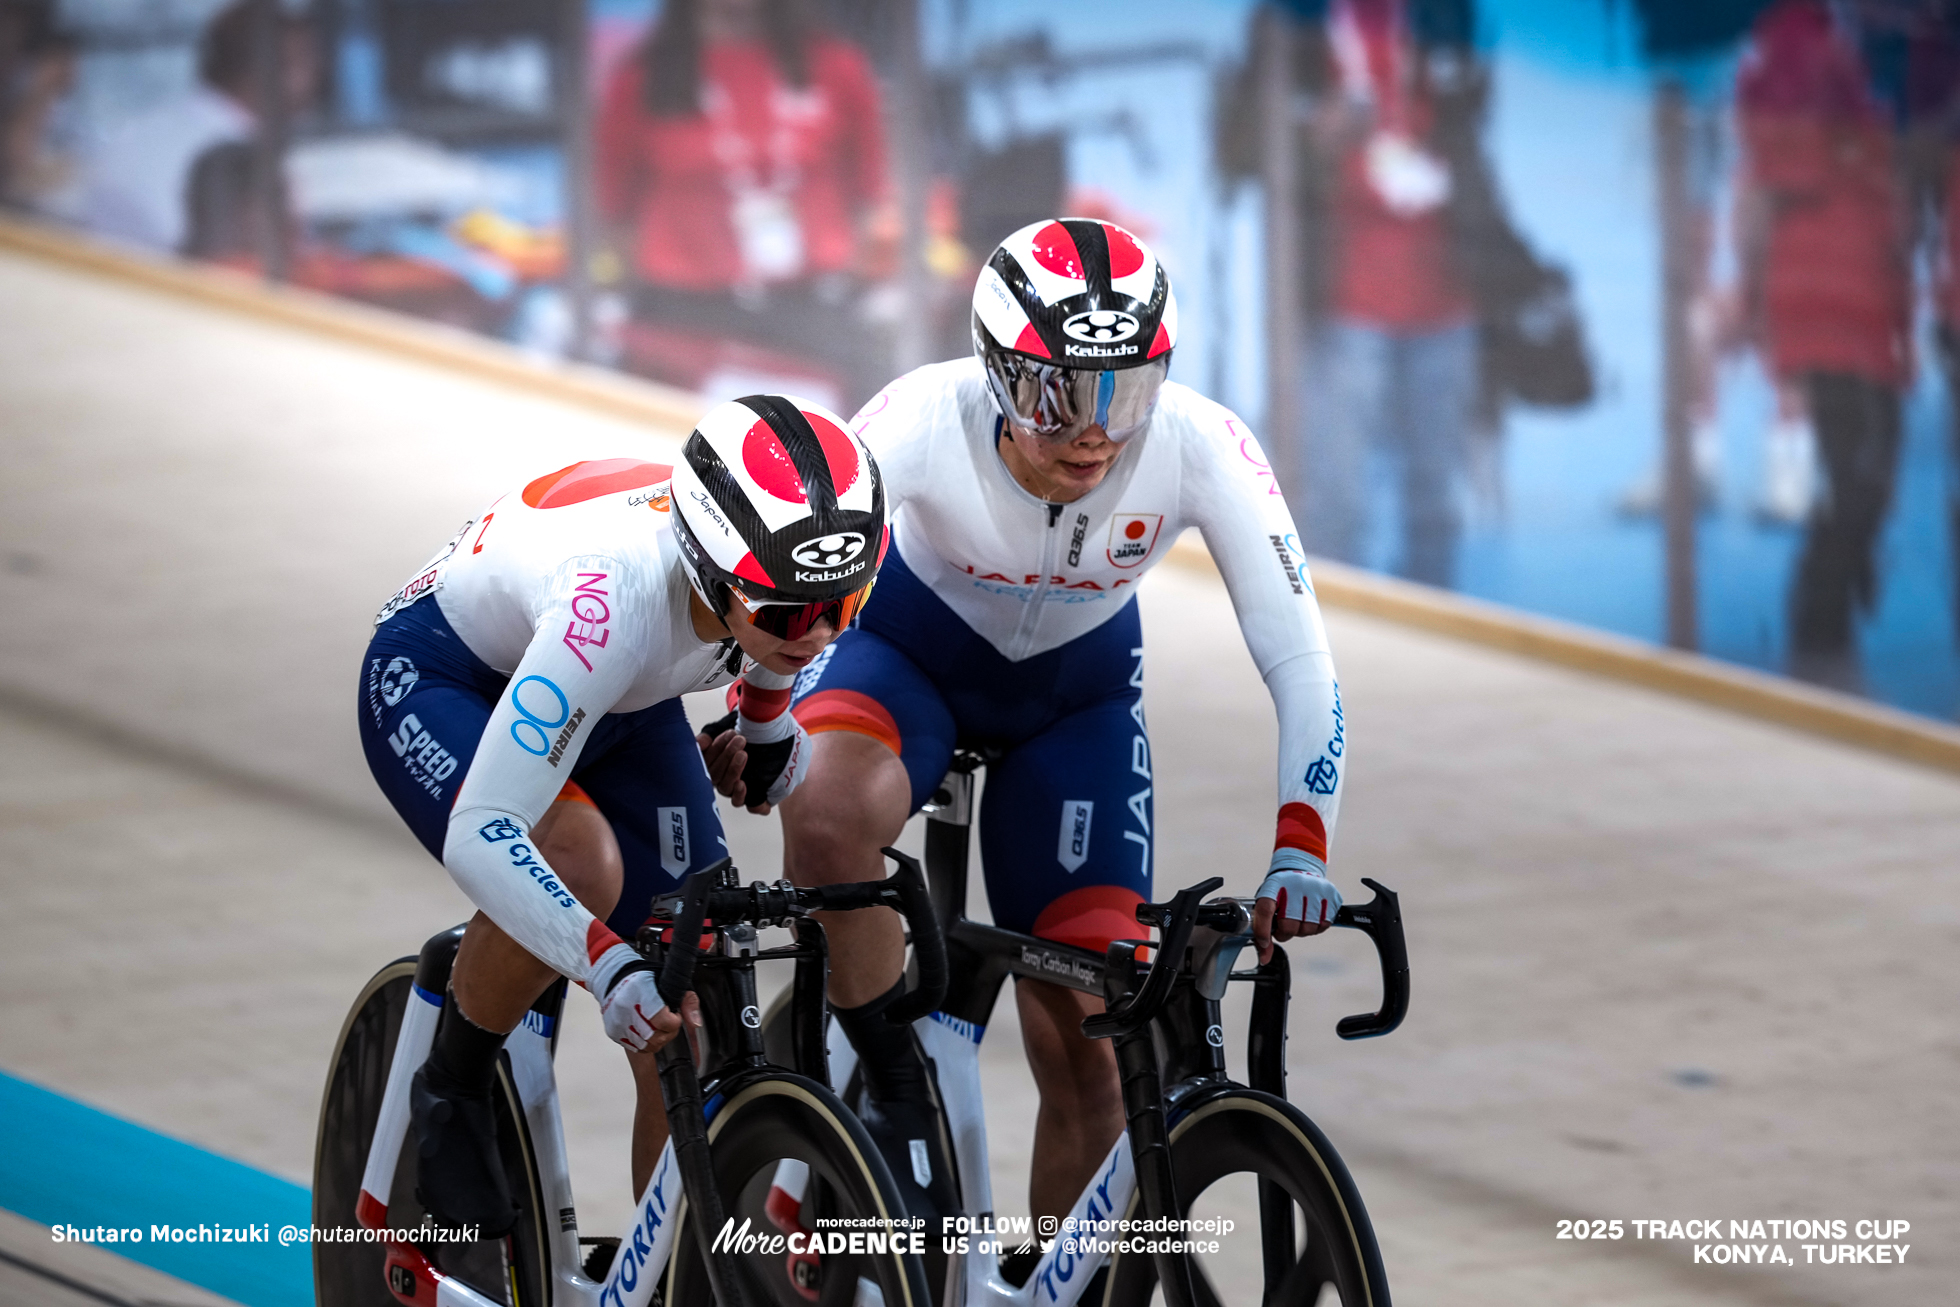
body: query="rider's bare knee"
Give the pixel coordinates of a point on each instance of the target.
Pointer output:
(837, 818)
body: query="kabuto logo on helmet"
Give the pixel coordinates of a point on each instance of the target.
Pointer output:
(774, 497)
(1062, 303)
(830, 551)
(1101, 326)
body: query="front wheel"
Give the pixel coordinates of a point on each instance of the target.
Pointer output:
(1257, 1160)
(789, 1157)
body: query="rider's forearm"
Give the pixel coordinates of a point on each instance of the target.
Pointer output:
(1312, 751)
(490, 854)
(1252, 539)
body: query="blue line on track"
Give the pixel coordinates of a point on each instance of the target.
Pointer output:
(66, 1163)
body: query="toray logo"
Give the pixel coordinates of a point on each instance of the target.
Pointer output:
(829, 551)
(1101, 327)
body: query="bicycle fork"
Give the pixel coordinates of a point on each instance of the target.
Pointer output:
(1150, 1153)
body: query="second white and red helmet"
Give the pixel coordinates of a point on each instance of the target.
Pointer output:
(1075, 322)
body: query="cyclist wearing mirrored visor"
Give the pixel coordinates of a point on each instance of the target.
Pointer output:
(1031, 488)
(520, 707)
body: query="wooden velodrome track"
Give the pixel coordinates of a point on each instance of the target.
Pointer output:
(1671, 962)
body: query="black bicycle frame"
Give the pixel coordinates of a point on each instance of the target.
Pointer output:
(1165, 1022)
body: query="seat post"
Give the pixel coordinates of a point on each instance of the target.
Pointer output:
(949, 820)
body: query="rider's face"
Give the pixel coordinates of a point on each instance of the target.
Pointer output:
(1059, 471)
(782, 656)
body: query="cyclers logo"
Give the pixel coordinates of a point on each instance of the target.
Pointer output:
(1101, 327)
(830, 551)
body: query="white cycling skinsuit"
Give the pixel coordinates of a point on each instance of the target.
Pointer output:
(572, 589)
(1030, 576)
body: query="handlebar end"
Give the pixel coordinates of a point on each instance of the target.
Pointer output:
(1381, 920)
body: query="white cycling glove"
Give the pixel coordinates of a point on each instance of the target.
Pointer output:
(1299, 888)
(629, 1000)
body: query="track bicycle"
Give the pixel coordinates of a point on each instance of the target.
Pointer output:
(1193, 1132)
(754, 1147)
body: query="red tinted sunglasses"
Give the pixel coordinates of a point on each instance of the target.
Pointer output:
(794, 621)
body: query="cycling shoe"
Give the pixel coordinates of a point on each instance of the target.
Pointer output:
(461, 1174)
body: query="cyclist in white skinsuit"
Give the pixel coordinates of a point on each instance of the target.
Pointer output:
(521, 710)
(1031, 488)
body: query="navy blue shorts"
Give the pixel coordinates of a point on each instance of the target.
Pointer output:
(425, 699)
(1065, 821)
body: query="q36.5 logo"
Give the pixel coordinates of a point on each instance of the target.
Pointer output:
(829, 551)
(1101, 326)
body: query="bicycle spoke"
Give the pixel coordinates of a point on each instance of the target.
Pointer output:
(1276, 1236)
(1302, 1284)
(1203, 1292)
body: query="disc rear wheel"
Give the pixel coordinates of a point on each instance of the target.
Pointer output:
(514, 1270)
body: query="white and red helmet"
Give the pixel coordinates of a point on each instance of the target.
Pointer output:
(776, 499)
(1075, 322)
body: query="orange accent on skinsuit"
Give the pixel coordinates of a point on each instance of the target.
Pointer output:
(1300, 828)
(573, 792)
(1091, 917)
(847, 710)
(578, 482)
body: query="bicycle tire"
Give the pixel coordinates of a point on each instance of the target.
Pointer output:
(766, 1120)
(1248, 1133)
(515, 1270)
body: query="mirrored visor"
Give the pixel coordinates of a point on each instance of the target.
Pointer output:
(1059, 403)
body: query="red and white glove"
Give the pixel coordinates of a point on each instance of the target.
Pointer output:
(1301, 893)
(629, 1000)
(777, 745)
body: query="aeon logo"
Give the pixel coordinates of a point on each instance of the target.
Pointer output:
(1101, 326)
(829, 551)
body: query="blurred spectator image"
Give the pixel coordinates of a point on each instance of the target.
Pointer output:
(191, 156)
(740, 157)
(1426, 311)
(37, 70)
(1827, 287)
(1393, 365)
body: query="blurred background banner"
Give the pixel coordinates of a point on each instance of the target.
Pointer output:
(1637, 314)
